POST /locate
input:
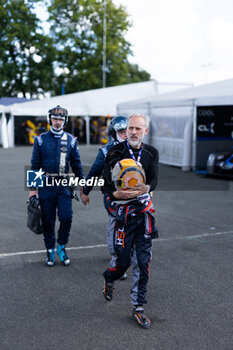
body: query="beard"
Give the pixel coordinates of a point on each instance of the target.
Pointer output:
(135, 143)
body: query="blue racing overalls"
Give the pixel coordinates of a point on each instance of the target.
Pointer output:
(53, 154)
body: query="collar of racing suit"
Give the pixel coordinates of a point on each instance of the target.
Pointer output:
(58, 133)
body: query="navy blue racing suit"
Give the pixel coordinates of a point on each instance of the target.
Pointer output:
(54, 153)
(98, 165)
(96, 171)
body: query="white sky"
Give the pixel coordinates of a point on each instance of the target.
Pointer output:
(182, 40)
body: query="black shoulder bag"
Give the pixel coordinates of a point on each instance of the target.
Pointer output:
(34, 215)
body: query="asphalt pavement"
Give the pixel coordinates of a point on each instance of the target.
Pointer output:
(190, 287)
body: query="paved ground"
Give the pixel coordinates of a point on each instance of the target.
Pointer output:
(190, 287)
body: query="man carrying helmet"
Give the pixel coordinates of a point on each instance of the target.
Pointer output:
(117, 133)
(53, 152)
(130, 201)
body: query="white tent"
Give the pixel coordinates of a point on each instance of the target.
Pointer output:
(174, 120)
(3, 128)
(98, 102)
(217, 93)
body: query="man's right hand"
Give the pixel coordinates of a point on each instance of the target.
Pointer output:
(33, 193)
(85, 199)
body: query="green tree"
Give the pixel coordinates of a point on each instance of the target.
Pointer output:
(77, 28)
(26, 54)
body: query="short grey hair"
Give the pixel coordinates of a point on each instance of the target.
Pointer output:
(145, 117)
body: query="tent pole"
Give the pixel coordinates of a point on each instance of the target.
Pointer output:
(187, 148)
(149, 115)
(3, 130)
(11, 131)
(87, 119)
(194, 145)
(72, 126)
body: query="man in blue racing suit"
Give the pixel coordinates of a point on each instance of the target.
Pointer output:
(117, 133)
(53, 152)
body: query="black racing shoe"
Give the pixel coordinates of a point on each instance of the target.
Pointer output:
(140, 317)
(122, 278)
(108, 290)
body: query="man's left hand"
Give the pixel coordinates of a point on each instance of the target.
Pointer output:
(131, 192)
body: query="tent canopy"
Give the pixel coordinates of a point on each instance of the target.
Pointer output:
(174, 122)
(96, 102)
(6, 101)
(209, 94)
(92, 102)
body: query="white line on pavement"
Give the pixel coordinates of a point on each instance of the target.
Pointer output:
(4, 255)
(195, 236)
(44, 251)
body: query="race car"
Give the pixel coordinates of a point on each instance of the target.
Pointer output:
(220, 163)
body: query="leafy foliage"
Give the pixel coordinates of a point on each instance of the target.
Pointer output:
(71, 55)
(77, 27)
(26, 55)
